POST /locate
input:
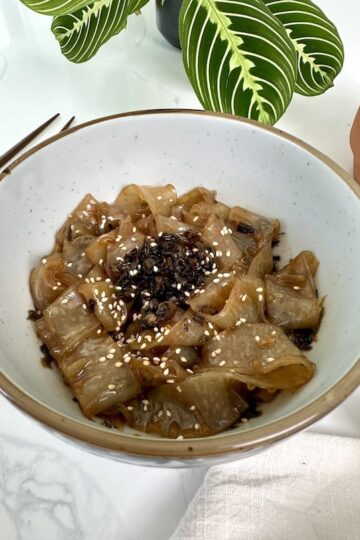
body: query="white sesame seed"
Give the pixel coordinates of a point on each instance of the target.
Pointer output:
(159, 197)
(192, 408)
(257, 338)
(222, 363)
(242, 319)
(178, 388)
(79, 276)
(65, 301)
(195, 218)
(270, 359)
(228, 253)
(244, 298)
(273, 333)
(180, 437)
(244, 420)
(156, 269)
(111, 386)
(102, 359)
(183, 359)
(259, 289)
(177, 350)
(98, 331)
(197, 426)
(44, 261)
(261, 297)
(170, 381)
(118, 364)
(296, 288)
(168, 413)
(84, 306)
(166, 371)
(129, 408)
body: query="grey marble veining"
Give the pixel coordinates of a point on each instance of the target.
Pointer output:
(50, 490)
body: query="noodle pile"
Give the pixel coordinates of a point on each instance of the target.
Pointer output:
(168, 313)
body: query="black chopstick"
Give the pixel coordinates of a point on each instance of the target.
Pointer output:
(25, 141)
(68, 124)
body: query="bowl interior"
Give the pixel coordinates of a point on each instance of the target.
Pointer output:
(247, 166)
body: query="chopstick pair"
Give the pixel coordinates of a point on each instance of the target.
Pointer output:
(11, 153)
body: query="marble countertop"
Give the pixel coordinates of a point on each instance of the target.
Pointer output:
(49, 489)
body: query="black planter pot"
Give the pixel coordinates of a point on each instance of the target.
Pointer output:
(167, 19)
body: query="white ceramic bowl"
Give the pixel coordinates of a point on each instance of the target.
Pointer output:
(248, 164)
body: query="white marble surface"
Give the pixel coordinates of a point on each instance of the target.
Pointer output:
(50, 490)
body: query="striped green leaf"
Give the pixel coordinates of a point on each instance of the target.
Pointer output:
(319, 47)
(238, 57)
(82, 33)
(55, 7)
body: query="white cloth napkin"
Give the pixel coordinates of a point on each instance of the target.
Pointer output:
(303, 489)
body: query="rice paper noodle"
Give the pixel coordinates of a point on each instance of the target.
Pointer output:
(98, 375)
(258, 227)
(171, 225)
(109, 217)
(199, 213)
(244, 305)
(262, 263)
(291, 294)
(202, 404)
(195, 196)
(159, 200)
(215, 294)
(262, 351)
(69, 318)
(105, 304)
(190, 330)
(96, 251)
(49, 280)
(75, 256)
(186, 357)
(147, 226)
(85, 215)
(216, 235)
(149, 373)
